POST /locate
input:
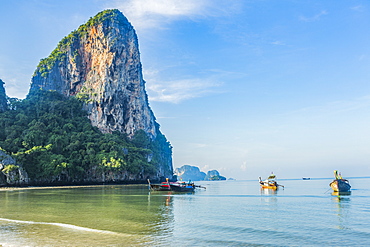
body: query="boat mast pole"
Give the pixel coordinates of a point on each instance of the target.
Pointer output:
(149, 183)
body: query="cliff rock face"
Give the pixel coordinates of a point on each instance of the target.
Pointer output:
(11, 173)
(187, 172)
(214, 175)
(100, 64)
(3, 104)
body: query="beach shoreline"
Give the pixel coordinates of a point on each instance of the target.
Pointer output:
(9, 188)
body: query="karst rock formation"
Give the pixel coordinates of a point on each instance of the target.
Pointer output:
(100, 63)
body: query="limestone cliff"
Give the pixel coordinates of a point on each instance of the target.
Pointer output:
(11, 173)
(100, 64)
(3, 104)
(214, 175)
(187, 172)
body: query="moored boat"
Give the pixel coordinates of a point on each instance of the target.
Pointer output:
(340, 184)
(270, 183)
(178, 186)
(164, 186)
(182, 187)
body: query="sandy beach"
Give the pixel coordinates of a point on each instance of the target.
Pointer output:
(59, 187)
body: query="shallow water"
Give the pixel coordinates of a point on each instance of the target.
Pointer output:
(227, 213)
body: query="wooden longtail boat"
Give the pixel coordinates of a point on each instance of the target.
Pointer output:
(160, 187)
(270, 183)
(340, 184)
(174, 186)
(182, 187)
(164, 186)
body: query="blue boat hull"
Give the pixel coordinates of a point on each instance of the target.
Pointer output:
(340, 185)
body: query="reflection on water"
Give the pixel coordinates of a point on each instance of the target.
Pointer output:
(226, 214)
(269, 196)
(340, 195)
(265, 191)
(105, 215)
(342, 200)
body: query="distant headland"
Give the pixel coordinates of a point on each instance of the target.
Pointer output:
(193, 173)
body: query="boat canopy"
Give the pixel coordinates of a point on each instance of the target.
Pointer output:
(337, 175)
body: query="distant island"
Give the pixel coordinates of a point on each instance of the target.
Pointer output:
(193, 173)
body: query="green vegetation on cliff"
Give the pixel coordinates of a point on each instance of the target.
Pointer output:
(60, 52)
(50, 135)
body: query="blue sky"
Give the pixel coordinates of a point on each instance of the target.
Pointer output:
(244, 87)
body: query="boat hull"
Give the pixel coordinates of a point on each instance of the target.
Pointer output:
(181, 188)
(269, 183)
(346, 193)
(173, 186)
(272, 187)
(160, 187)
(340, 185)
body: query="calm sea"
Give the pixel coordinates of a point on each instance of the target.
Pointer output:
(227, 213)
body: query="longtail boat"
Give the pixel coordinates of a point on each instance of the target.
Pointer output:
(340, 184)
(164, 186)
(183, 186)
(270, 183)
(178, 186)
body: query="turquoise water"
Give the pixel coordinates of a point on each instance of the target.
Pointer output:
(227, 213)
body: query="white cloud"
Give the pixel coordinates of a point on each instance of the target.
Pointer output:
(336, 107)
(144, 14)
(277, 42)
(205, 168)
(165, 7)
(358, 8)
(200, 145)
(313, 18)
(176, 91)
(243, 167)
(180, 90)
(149, 15)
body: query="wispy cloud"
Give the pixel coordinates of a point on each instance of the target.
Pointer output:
(335, 108)
(277, 42)
(358, 8)
(146, 14)
(180, 90)
(313, 18)
(150, 15)
(243, 167)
